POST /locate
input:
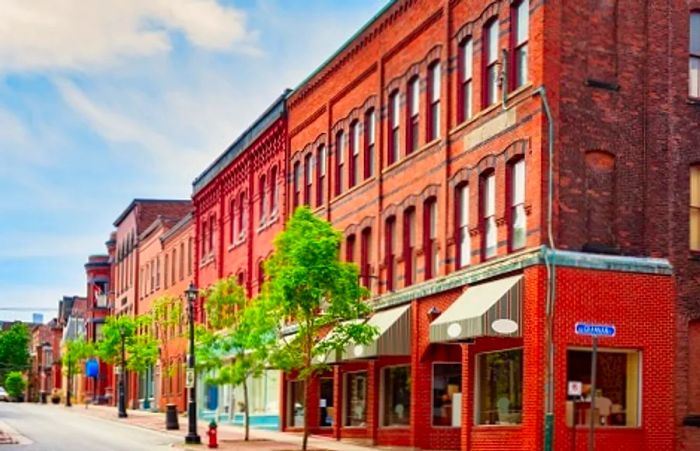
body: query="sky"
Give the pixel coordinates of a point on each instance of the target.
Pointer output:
(102, 102)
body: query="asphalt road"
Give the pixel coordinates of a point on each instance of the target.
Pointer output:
(46, 428)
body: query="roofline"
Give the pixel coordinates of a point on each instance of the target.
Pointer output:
(89, 265)
(177, 227)
(244, 139)
(133, 203)
(344, 46)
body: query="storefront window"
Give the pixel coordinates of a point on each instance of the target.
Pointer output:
(295, 417)
(447, 394)
(500, 389)
(617, 388)
(396, 392)
(356, 399)
(327, 411)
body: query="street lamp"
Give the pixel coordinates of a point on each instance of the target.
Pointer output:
(192, 437)
(122, 395)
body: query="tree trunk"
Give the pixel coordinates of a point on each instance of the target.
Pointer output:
(246, 410)
(307, 393)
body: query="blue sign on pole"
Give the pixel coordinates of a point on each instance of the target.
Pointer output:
(92, 368)
(595, 330)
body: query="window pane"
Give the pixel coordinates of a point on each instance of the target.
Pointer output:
(396, 393)
(296, 404)
(521, 63)
(694, 77)
(695, 186)
(355, 139)
(447, 394)
(395, 109)
(523, 13)
(490, 195)
(500, 388)
(463, 194)
(414, 95)
(432, 233)
(340, 147)
(435, 80)
(467, 95)
(493, 42)
(326, 402)
(492, 84)
(468, 59)
(519, 182)
(694, 33)
(356, 399)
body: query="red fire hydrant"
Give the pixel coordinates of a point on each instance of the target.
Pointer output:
(213, 436)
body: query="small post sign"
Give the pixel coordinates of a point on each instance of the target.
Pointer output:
(594, 331)
(189, 378)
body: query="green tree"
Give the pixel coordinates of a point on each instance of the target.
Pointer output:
(167, 316)
(74, 354)
(236, 343)
(15, 383)
(14, 349)
(309, 284)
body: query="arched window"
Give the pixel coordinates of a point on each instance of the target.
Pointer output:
(394, 127)
(232, 214)
(694, 48)
(433, 92)
(390, 252)
(412, 114)
(409, 246)
(490, 62)
(308, 178)
(462, 225)
(339, 161)
(430, 242)
(520, 24)
(297, 184)
(365, 249)
(517, 222)
(369, 143)
(350, 248)
(489, 233)
(320, 174)
(354, 154)
(263, 202)
(466, 66)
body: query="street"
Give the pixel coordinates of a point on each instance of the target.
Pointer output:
(56, 428)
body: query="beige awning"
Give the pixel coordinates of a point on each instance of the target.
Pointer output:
(475, 310)
(394, 338)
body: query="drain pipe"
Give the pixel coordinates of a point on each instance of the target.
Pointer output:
(549, 262)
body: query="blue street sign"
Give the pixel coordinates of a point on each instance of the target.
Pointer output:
(596, 330)
(92, 368)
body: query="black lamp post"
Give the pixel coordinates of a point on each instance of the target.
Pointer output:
(122, 394)
(192, 437)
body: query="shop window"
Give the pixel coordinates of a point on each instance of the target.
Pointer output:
(490, 63)
(354, 157)
(295, 415)
(462, 225)
(390, 252)
(466, 69)
(518, 226)
(430, 242)
(520, 25)
(433, 122)
(694, 224)
(297, 185)
(356, 399)
(617, 388)
(320, 174)
(413, 118)
(369, 143)
(339, 161)
(447, 394)
(326, 408)
(396, 396)
(500, 387)
(308, 178)
(409, 246)
(694, 49)
(394, 127)
(488, 215)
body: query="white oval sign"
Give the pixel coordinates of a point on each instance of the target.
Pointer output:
(504, 326)
(454, 330)
(358, 350)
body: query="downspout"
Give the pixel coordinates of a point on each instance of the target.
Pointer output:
(551, 276)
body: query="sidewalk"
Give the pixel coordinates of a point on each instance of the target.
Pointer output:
(230, 437)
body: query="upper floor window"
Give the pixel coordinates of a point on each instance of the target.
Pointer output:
(205, 240)
(390, 252)
(430, 242)
(173, 274)
(365, 249)
(308, 178)
(520, 24)
(434, 74)
(261, 274)
(232, 214)
(394, 128)
(210, 244)
(694, 47)
(263, 200)
(167, 268)
(339, 161)
(320, 174)
(488, 215)
(518, 227)
(695, 207)
(490, 62)
(354, 166)
(413, 114)
(274, 191)
(409, 245)
(297, 184)
(462, 225)
(182, 261)
(466, 69)
(350, 248)
(242, 215)
(369, 143)
(189, 256)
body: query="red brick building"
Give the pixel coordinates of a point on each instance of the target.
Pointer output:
(98, 271)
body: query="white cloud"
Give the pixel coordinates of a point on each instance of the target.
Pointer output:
(80, 34)
(22, 245)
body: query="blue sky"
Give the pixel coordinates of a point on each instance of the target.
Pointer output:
(101, 102)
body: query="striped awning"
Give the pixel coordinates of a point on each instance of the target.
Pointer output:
(394, 338)
(475, 310)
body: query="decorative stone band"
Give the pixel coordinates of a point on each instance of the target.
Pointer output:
(477, 308)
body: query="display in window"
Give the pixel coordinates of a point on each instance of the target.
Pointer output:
(447, 394)
(356, 399)
(296, 404)
(500, 388)
(396, 391)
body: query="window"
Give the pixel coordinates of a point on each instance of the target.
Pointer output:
(189, 256)
(242, 215)
(167, 266)
(434, 74)
(182, 261)
(320, 174)
(295, 417)
(500, 387)
(365, 249)
(174, 268)
(466, 56)
(308, 178)
(326, 402)
(447, 394)
(205, 227)
(350, 248)
(488, 215)
(297, 185)
(694, 47)
(490, 50)
(413, 114)
(694, 208)
(394, 129)
(354, 166)
(261, 274)
(409, 245)
(339, 161)
(617, 387)
(430, 242)
(232, 213)
(263, 200)
(210, 244)
(518, 227)
(520, 20)
(369, 143)
(356, 399)
(389, 252)
(396, 396)
(462, 237)
(158, 273)
(274, 192)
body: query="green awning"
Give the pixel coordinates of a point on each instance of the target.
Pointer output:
(394, 338)
(475, 310)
